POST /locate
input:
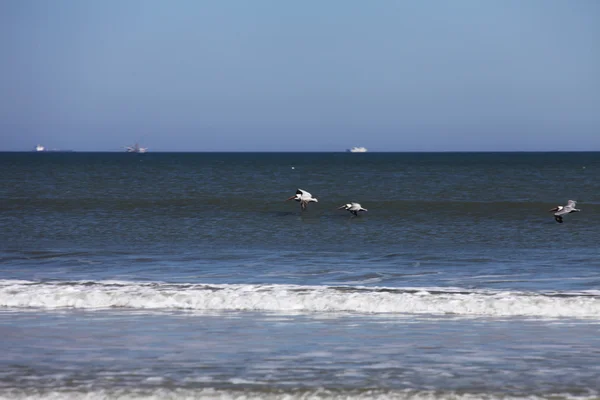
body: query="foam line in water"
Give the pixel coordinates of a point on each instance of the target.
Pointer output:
(275, 394)
(295, 298)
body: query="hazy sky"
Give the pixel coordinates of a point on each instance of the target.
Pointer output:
(193, 75)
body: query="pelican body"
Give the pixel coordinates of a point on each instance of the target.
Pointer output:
(559, 211)
(354, 208)
(304, 198)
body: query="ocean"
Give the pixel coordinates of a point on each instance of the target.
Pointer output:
(188, 275)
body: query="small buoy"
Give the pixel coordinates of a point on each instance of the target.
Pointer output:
(293, 168)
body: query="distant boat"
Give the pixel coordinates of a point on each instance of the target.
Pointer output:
(136, 149)
(357, 150)
(41, 149)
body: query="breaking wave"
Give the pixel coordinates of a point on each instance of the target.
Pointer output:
(296, 298)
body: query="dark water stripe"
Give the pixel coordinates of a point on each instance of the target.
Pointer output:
(240, 204)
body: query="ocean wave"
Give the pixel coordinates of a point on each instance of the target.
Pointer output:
(267, 394)
(275, 205)
(296, 298)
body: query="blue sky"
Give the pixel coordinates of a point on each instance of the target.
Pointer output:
(192, 75)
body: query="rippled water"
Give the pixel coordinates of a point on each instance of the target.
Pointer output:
(189, 276)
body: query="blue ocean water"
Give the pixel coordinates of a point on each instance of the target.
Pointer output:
(187, 275)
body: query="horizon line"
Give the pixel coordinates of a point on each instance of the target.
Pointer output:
(296, 151)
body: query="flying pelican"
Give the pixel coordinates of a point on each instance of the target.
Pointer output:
(304, 198)
(562, 210)
(354, 208)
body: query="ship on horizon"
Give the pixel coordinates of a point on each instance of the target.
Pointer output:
(41, 149)
(136, 148)
(357, 150)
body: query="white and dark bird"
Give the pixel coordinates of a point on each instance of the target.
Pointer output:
(354, 208)
(559, 211)
(304, 198)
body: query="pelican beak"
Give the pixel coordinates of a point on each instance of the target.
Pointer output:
(293, 197)
(554, 209)
(339, 208)
(364, 209)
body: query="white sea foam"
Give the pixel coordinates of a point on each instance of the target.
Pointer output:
(224, 394)
(295, 298)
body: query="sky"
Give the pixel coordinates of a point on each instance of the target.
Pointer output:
(271, 75)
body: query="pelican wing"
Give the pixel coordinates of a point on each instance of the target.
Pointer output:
(566, 209)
